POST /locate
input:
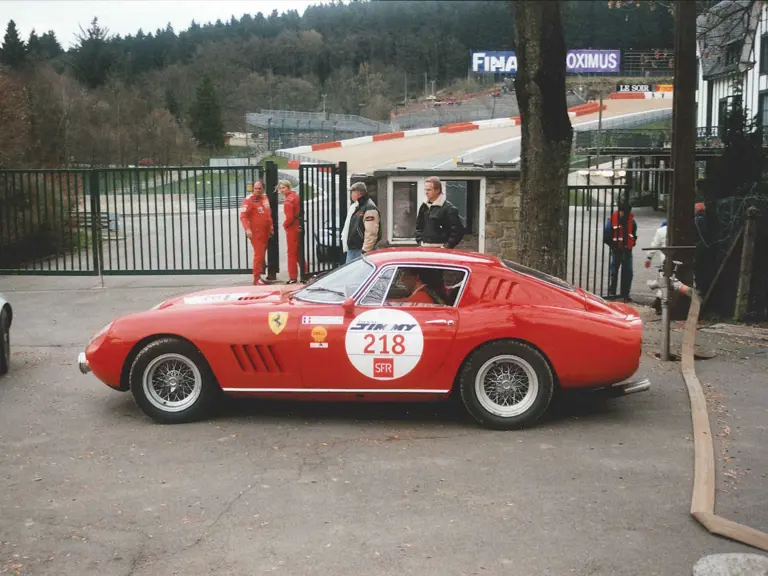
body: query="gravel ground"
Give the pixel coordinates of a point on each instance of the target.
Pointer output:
(90, 486)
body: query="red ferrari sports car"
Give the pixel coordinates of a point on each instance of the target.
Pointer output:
(396, 324)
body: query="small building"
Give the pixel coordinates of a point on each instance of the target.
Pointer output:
(488, 200)
(732, 51)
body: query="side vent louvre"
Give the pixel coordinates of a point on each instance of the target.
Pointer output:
(498, 289)
(256, 358)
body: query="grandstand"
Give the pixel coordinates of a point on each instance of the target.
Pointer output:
(288, 128)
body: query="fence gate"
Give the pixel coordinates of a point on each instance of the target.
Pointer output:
(587, 257)
(591, 205)
(124, 221)
(323, 211)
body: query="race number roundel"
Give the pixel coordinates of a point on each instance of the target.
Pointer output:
(384, 344)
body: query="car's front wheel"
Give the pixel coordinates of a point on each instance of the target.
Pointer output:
(172, 383)
(5, 342)
(506, 385)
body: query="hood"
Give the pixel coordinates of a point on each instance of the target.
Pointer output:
(245, 295)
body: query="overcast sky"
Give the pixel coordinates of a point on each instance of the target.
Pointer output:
(126, 16)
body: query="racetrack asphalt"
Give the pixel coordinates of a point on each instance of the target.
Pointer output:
(439, 151)
(91, 486)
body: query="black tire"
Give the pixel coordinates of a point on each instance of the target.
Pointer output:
(190, 362)
(530, 408)
(5, 342)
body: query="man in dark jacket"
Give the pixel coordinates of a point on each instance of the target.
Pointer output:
(364, 229)
(438, 224)
(620, 234)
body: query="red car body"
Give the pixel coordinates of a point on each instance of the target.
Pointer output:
(317, 353)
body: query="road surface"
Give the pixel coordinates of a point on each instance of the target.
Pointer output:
(440, 151)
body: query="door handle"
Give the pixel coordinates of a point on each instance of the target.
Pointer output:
(446, 322)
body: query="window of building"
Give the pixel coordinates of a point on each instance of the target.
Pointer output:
(408, 196)
(764, 54)
(733, 53)
(404, 209)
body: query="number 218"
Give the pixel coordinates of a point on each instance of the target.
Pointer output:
(398, 344)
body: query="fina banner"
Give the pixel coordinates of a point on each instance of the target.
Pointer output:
(576, 61)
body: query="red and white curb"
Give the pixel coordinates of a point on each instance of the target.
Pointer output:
(641, 95)
(296, 158)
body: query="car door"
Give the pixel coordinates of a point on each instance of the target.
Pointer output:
(377, 346)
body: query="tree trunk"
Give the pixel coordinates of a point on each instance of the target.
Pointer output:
(680, 209)
(546, 135)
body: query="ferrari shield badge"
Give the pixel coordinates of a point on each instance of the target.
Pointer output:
(277, 321)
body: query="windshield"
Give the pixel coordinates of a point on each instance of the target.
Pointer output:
(337, 286)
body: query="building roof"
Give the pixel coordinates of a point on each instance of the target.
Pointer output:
(723, 29)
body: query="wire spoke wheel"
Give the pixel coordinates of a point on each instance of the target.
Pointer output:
(506, 386)
(172, 382)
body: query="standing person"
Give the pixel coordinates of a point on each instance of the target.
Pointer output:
(620, 234)
(345, 230)
(659, 241)
(291, 227)
(438, 224)
(256, 220)
(364, 231)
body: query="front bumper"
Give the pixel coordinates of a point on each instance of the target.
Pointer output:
(82, 363)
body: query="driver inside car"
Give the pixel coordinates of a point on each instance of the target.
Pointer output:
(425, 287)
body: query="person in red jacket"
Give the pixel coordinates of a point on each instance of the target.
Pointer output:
(256, 219)
(291, 227)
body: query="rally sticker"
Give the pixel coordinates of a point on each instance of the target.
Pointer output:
(384, 344)
(319, 334)
(214, 298)
(322, 320)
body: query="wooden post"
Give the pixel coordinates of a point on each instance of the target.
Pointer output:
(745, 271)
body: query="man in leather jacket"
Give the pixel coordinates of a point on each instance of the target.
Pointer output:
(438, 224)
(364, 230)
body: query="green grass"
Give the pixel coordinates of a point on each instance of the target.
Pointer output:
(279, 160)
(579, 198)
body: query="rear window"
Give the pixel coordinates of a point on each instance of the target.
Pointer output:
(538, 275)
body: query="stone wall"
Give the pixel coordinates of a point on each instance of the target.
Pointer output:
(502, 216)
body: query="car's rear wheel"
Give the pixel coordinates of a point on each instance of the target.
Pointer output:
(506, 385)
(172, 383)
(5, 342)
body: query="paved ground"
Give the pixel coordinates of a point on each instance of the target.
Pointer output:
(439, 150)
(90, 486)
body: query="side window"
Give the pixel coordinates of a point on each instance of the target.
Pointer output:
(425, 286)
(375, 295)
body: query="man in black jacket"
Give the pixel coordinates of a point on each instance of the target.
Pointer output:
(364, 231)
(438, 224)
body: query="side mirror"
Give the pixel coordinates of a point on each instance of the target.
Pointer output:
(348, 306)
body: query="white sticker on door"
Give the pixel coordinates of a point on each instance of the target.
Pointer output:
(322, 319)
(384, 344)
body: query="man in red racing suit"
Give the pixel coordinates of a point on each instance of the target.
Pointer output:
(256, 219)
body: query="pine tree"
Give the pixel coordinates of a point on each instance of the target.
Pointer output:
(50, 46)
(172, 104)
(205, 116)
(34, 50)
(13, 52)
(94, 57)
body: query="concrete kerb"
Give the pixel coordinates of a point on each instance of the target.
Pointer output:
(703, 493)
(296, 154)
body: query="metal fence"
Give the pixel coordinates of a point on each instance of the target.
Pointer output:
(323, 212)
(587, 257)
(171, 220)
(591, 203)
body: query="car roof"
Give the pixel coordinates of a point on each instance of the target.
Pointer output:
(439, 256)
